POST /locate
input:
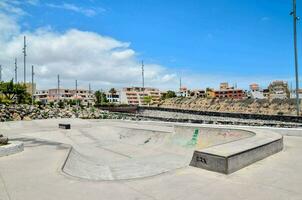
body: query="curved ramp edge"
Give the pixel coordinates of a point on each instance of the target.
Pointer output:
(230, 157)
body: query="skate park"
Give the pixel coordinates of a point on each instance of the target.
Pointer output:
(121, 152)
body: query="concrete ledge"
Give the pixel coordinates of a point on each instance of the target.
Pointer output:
(230, 157)
(11, 148)
(64, 126)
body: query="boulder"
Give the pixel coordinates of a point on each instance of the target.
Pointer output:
(3, 140)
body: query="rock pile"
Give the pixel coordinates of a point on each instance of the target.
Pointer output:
(27, 112)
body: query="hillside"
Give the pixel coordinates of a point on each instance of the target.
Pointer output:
(255, 106)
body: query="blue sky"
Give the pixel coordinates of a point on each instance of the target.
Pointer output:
(230, 40)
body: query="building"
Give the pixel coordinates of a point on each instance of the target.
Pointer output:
(183, 92)
(85, 97)
(229, 93)
(198, 93)
(224, 86)
(42, 96)
(255, 92)
(225, 92)
(293, 94)
(210, 93)
(278, 90)
(254, 87)
(136, 95)
(113, 97)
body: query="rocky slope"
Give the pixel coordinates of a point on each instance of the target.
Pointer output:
(27, 112)
(255, 106)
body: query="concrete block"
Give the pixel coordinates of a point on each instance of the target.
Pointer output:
(64, 126)
(228, 163)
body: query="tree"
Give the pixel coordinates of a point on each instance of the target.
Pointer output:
(15, 92)
(169, 94)
(112, 91)
(147, 99)
(100, 97)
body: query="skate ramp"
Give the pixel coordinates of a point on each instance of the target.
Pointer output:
(120, 151)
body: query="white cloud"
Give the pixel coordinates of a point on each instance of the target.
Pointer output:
(90, 12)
(9, 7)
(74, 54)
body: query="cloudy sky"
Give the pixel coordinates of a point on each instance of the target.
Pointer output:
(102, 42)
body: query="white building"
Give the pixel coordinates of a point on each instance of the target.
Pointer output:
(183, 92)
(113, 97)
(257, 94)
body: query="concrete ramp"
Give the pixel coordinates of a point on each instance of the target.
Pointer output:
(122, 151)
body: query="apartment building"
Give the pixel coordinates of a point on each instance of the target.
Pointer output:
(230, 93)
(42, 96)
(113, 97)
(54, 95)
(86, 97)
(136, 95)
(225, 92)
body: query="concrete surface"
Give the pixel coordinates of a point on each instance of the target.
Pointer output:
(36, 172)
(11, 148)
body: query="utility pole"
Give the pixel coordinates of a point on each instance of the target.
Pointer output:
(180, 84)
(24, 54)
(101, 97)
(16, 71)
(295, 18)
(32, 84)
(143, 76)
(89, 94)
(77, 101)
(58, 92)
(0, 73)
(76, 87)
